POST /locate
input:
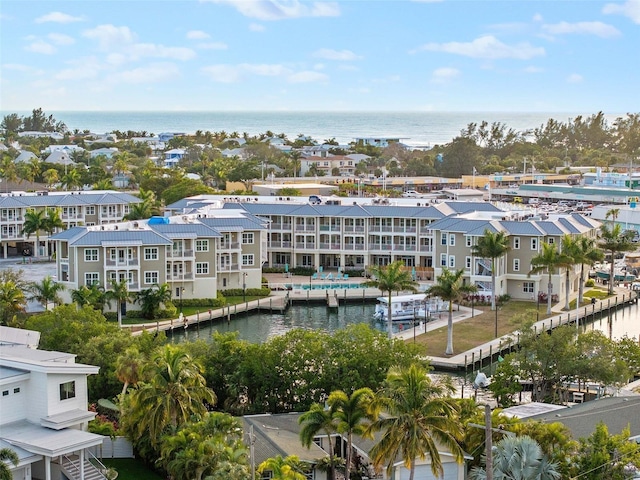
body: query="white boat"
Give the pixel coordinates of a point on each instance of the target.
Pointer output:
(403, 307)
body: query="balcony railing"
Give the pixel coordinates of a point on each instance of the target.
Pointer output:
(305, 228)
(132, 262)
(229, 267)
(11, 219)
(329, 228)
(281, 226)
(324, 245)
(279, 244)
(426, 248)
(354, 246)
(305, 246)
(179, 276)
(180, 253)
(229, 246)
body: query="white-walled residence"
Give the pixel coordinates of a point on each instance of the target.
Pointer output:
(43, 410)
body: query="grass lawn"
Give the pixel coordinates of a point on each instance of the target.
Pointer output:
(131, 469)
(468, 334)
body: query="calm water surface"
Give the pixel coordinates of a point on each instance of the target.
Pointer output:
(259, 327)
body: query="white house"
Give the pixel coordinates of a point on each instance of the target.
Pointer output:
(43, 410)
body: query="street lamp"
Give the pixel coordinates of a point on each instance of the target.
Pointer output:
(244, 286)
(496, 325)
(181, 296)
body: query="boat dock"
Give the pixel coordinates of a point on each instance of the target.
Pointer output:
(486, 354)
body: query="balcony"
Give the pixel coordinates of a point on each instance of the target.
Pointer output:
(426, 231)
(305, 246)
(329, 228)
(131, 262)
(354, 246)
(305, 228)
(180, 254)
(229, 267)
(229, 246)
(179, 277)
(72, 216)
(324, 245)
(12, 235)
(281, 226)
(335, 246)
(426, 248)
(11, 219)
(279, 244)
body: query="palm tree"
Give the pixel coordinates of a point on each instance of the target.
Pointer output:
(150, 299)
(569, 247)
(46, 291)
(518, 458)
(103, 184)
(547, 261)
(128, 367)
(288, 468)
(449, 287)
(418, 419)
(492, 246)
(7, 455)
(93, 295)
(139, 211)
(586, 253)
(52, 222)
(353, 414)
(175, 390)
(34, 222)
(614, 241)
(393, 277)
(119, 291)
(71, 180)
(12, 300)
(319, 419)
(50, 177)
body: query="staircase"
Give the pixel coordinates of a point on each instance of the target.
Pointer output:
(71, 468)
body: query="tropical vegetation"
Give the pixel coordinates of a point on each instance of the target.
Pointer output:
(492, 245)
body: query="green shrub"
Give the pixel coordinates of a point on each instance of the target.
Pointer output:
(304, 271)
(251, 292)
(111, 316)
(590, 283)
(354, 272)
(272, 269)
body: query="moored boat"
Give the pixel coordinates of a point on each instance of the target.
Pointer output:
(403, 307)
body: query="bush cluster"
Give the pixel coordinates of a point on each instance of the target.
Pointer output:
(251, 292)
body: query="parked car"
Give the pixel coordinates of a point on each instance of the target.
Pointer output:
(412, 194)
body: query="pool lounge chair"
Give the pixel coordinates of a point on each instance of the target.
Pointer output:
(322, 277)
(330, 276)
(314, 276)
(338, 276)
(345, 276)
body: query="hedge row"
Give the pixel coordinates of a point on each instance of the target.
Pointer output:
(252, 292)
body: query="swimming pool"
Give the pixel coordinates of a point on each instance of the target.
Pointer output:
(322, 286)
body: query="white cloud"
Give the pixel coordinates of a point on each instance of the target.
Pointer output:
(198, 35)
(307, 76)
(599, 29)
(58, 17)
(532, 69)
(83, 69)
(341, 55)
(19, 67)
(140, 50)
(444, 75)
(630, 9)
(487, 47)
(61, 39)
(537, 17)
(40, 46)
(109, 36)
(256, 27)
(154, 73)
(574, 78)
(213, 46)
(226, 73)
(282, 9)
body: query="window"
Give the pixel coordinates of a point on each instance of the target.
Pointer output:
(151, 253)
(202, 268)
(516, 243)
(468, 239)
(452, 261)
(247, 238)
(443, 259)
(16, 390)
(452, 240)
(247, 260)
(91, 278)
(534, 244)
(527, 287)
(467, 262)
(551, 241)
(203, 245)
(90, 254)
(5, 393)
(151, 278)
(516, 264)
(443, 239)
(91, 210)
(67, 390)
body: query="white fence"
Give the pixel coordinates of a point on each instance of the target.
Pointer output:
(119, 447)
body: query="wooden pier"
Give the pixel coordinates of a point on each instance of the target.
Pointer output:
(488, 353)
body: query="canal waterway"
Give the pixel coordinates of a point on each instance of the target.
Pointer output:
(259, 327)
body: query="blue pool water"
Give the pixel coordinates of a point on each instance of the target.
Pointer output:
(322, 286)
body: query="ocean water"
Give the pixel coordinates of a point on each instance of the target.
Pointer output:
(414, 128)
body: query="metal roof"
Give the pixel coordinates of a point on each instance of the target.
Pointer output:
(175, 230)
(521, 228)
(566, 223)
(550, 228)
(224, 223)
(69, 233)
(96, 238)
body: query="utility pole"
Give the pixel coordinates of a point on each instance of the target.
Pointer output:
(489, 447)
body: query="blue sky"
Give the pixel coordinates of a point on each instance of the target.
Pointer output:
(273, 55)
